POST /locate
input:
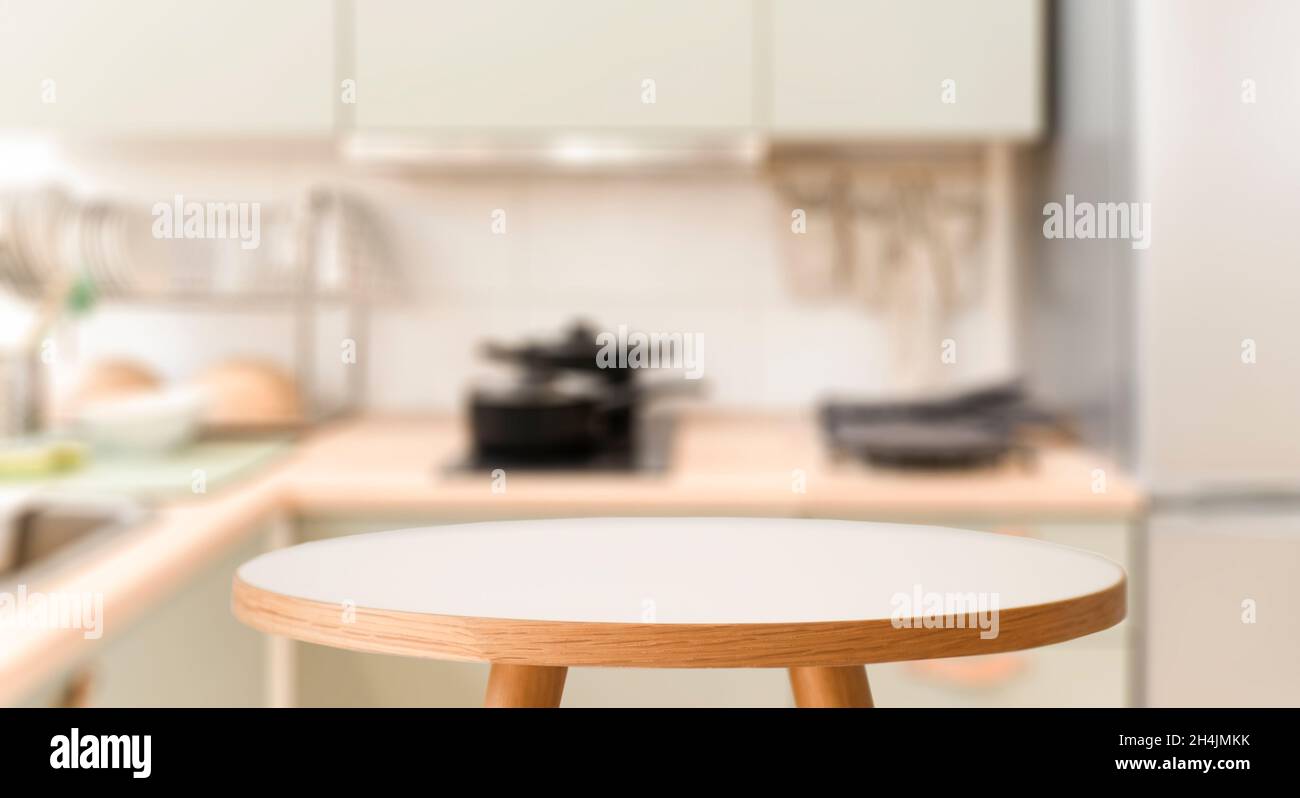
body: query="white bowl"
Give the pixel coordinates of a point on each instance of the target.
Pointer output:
(150, 422)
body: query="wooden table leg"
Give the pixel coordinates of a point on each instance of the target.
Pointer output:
(525, 686)
(831, 687)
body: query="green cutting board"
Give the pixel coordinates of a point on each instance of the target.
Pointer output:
(171, 475)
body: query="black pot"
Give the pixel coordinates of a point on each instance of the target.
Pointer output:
(546, 419)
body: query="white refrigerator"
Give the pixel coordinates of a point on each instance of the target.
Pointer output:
(1216, 402)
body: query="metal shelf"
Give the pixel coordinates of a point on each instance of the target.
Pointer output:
(295, 281)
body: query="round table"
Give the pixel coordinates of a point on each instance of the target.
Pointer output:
(821, 598)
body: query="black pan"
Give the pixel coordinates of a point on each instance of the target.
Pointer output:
(924, 444)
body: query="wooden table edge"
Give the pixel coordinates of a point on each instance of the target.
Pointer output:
(665, 645)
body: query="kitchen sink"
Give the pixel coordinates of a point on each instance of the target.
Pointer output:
(46, 532)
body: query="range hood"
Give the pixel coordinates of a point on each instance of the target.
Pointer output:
(597, 151)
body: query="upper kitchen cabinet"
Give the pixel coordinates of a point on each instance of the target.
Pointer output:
(579, 64)
(885, 69)
(201, 67)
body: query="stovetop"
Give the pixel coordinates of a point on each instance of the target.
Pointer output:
(649, 453)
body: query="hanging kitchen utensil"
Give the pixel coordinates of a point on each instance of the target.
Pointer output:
(810, 226)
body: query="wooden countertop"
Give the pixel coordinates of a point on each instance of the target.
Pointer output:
(722, 464)
(743, 464)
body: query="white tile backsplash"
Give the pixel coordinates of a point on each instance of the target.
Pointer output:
(699, 254)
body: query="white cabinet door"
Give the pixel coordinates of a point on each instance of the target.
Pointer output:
(501, 64)
(1225, 584)
(877, 68)
(188, 650)
(160, 66)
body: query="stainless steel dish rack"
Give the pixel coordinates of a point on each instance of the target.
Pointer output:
(317, 253)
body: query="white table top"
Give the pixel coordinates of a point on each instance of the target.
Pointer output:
(678, 570)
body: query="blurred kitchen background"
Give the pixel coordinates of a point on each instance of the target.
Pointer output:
(840, 203)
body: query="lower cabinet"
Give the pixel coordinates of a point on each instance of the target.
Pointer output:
(190, 651)
(1073, 674)
(331, 677)
(187, 651)
(1224, 628)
